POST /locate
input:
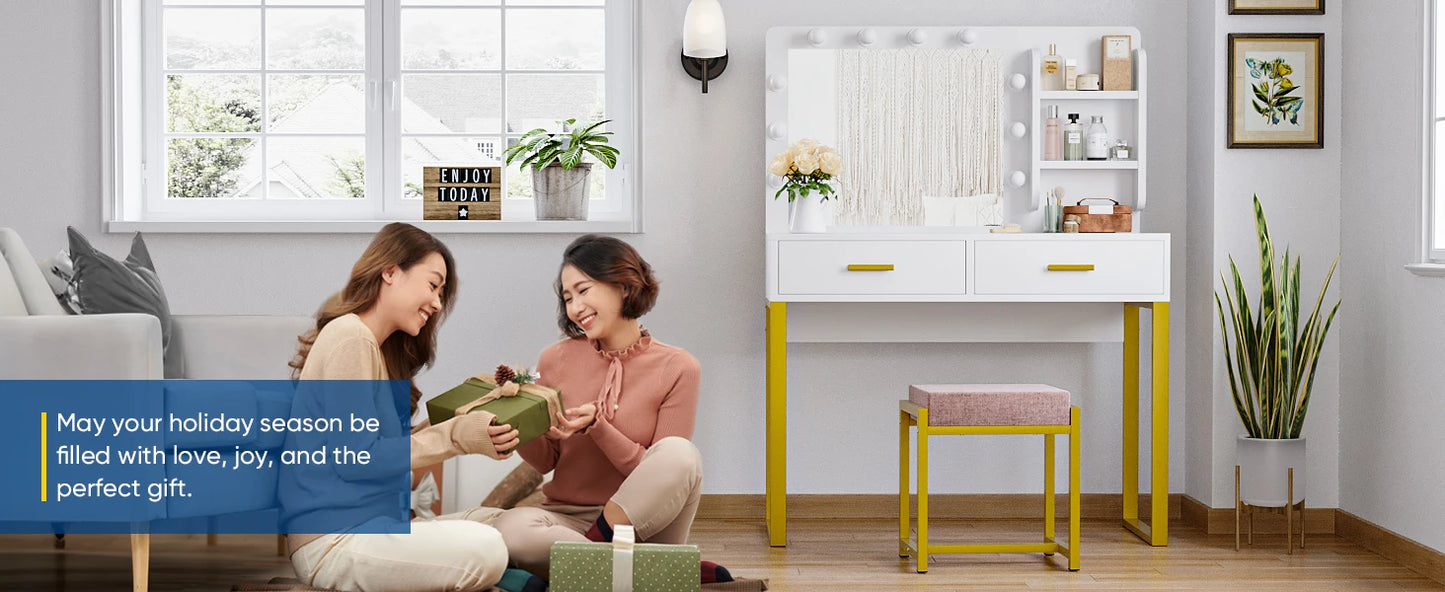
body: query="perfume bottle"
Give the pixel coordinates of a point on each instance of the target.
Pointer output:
(1096, 142)
(1120, 150)
(1073, 139)
(1052, 76)
(1053, 141)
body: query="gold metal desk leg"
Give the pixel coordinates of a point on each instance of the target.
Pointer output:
(1156, 533)
(777, 424)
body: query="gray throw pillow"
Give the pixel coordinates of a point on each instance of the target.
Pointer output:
(105, 285)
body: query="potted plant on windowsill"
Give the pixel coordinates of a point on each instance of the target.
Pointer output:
(1271, 358)
(559, 177)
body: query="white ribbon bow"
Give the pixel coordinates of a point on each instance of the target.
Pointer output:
(424, 496)
(622, 545)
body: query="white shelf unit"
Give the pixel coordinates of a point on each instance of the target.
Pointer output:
(1132, 104)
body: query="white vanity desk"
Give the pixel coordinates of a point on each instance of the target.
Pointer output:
(967, 272)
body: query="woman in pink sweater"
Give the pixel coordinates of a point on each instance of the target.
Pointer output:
(621, 453)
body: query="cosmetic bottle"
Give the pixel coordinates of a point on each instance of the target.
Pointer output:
(1073, 139)
(1096, 142)
(1053, 140)
(1052, 75)
(1071, 67)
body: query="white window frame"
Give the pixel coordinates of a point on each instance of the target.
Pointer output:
(1432, 260)
(130, 141)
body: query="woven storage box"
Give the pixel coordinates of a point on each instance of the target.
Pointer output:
(1102, 218)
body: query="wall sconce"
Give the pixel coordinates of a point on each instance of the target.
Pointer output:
(704, 41)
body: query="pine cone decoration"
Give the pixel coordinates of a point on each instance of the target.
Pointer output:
(504, 374)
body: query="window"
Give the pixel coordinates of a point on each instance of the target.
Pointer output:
(326, 110)
(1434, 207)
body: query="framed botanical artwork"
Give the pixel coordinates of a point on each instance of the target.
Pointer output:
(1276, 6)
(1276, 90)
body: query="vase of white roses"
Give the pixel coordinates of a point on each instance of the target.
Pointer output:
(807, 169)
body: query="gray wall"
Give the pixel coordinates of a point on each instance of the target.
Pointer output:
(1391, 375)
(704, 189)
(1300, 190)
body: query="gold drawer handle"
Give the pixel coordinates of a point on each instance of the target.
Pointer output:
(870, 267)
(1071, 267)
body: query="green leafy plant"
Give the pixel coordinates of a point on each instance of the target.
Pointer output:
(539, 148)
(1271, 356)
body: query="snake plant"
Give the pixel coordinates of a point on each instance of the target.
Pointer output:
(1270, 355)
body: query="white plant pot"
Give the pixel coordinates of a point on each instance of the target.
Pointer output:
(1264, 470)
(807, 215)
(561, 194)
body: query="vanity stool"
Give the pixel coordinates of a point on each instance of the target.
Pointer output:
(980, 409)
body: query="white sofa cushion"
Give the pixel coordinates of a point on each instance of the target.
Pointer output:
(25, 277)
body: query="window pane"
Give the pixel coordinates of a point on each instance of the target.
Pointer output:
(555, 39)
(316, 104)
(517, 180)
(316, 39)
(540, 100)
(450, 2)
(1439, 59)
(213, 103)
(554, 3)
(315, 167)
(439, 103)
(208, 167)
(417, 152)
(444, 39)
(1439, 206)
(315, 2)
(215, 39)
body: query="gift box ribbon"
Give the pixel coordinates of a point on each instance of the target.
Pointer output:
(622, 546)
(512, 389)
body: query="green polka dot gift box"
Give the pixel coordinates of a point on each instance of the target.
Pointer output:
(602, 567)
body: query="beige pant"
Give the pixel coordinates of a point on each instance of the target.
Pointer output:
(659, 497)
(457, 552)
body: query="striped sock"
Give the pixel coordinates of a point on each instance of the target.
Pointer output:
(601, 531)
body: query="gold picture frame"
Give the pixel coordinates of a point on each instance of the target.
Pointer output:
(1276, 6)
(1276, 90)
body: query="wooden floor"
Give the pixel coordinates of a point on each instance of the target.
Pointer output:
(826, 555)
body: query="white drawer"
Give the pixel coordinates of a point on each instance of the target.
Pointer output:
(1063, 267)
(878, 267)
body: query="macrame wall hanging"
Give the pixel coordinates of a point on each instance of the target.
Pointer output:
(915, 123)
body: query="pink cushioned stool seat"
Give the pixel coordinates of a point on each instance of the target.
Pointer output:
(991, 404)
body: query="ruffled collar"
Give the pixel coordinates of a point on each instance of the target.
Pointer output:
(636, 348)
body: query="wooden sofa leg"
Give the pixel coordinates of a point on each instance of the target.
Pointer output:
(140, 559)
(280, 545)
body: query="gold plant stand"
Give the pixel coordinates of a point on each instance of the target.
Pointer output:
(1289, 511)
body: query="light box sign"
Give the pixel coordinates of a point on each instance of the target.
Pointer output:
(462, 193)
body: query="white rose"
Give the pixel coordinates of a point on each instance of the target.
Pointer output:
(804, 146)
(780, 164)
(830, 162)
(806, 163)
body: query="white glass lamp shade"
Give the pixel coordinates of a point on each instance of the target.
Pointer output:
(704, 35)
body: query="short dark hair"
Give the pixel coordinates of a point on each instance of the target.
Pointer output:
(610, 261)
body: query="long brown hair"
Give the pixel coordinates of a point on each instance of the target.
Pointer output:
(398, 244)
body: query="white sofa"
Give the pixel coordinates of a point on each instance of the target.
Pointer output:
(40, 341)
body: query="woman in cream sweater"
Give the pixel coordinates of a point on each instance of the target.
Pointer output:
(382, 326)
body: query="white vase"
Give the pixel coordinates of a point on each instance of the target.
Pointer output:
(1264, 470)
(807, 215)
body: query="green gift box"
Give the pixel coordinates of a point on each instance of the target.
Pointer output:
(588, 567)
(532, 410)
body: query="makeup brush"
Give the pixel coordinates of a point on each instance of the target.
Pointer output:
(1059, 194)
